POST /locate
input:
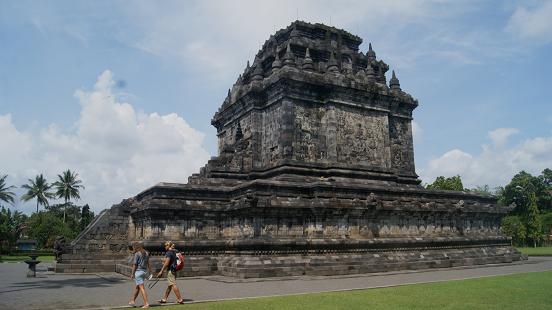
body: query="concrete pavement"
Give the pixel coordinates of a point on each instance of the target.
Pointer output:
(62, 291)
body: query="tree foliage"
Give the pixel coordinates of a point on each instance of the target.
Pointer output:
(546, 220)
(11, 225)
(77, 218)
(534, 225)
(6, 194)
(68, 187)
(69, 213)
(481, 190)
(45, 226)
(86, 217)
(512, 226)
(57, 219)
(521, 187)
(39, 189)
(546, 177)
(452, 183)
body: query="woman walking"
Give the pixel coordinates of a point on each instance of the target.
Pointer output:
(141, 265)
(169, 264)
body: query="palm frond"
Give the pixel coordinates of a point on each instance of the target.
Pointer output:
(5, 194)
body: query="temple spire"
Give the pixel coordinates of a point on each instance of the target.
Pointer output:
(257, 73)
(276, 64)
(370, 74)
(394, 82)
(371, 54)
(289, 58)
(307, 62)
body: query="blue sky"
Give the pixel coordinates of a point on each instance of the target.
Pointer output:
(123, 91)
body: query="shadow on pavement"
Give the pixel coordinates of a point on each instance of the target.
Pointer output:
(52, 283)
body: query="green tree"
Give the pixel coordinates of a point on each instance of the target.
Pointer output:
(77, 217)
(482, 190)
(5, 194)
(45, 226)
(67, 187)
(534, 225)
(546, 220)
(39, 189)
(86, 217)
(452, 184)
(512, 226)
(546, 197)
(546, 177)
(520, 188)
(11, 225)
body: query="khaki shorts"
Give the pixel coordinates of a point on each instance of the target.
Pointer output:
(171, 278)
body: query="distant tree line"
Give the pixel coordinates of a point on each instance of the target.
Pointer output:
(530, 222)
(65, 218)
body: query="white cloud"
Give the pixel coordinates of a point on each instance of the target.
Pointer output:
(214, 39)
(451, 163)
(417, 131)
(499, 136)
(217, 37)
(15, 146)
(495, 165)
(117, 151)
(532, 24)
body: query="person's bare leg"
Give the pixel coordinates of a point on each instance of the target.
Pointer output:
(144, 296)
(134, 296)
(177, 293)
(167, 292)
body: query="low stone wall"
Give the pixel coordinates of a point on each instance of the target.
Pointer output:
(86, 263)
(257, 265)
(194, 266)
(357, 263)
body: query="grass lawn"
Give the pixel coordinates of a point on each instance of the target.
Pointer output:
(519, 291)
(540, 251)
(20, 258)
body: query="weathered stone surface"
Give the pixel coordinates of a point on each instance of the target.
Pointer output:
(315, 175)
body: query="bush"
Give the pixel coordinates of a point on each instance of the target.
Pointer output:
(512, 226)
(546, 220)
(452, 184)
(45, 226)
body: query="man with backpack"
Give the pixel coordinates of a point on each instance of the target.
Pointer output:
(172, 263)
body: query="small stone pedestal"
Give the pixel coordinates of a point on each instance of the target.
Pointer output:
(32, 265)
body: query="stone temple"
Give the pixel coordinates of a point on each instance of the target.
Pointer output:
(314, 176)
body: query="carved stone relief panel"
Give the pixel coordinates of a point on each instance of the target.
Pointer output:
(361, 138)
(338, 135)
(309, 141)
(271, 150)
(402, 152)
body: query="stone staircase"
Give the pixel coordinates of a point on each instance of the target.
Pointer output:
(100, 246)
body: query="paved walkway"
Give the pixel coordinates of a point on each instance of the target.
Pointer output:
(59, 291)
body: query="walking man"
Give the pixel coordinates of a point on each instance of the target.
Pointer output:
(169, 264)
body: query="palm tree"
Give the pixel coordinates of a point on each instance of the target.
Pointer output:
(37, 188)
(67, 186)
(5, 194)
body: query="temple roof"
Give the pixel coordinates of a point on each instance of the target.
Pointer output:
(331, 51)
